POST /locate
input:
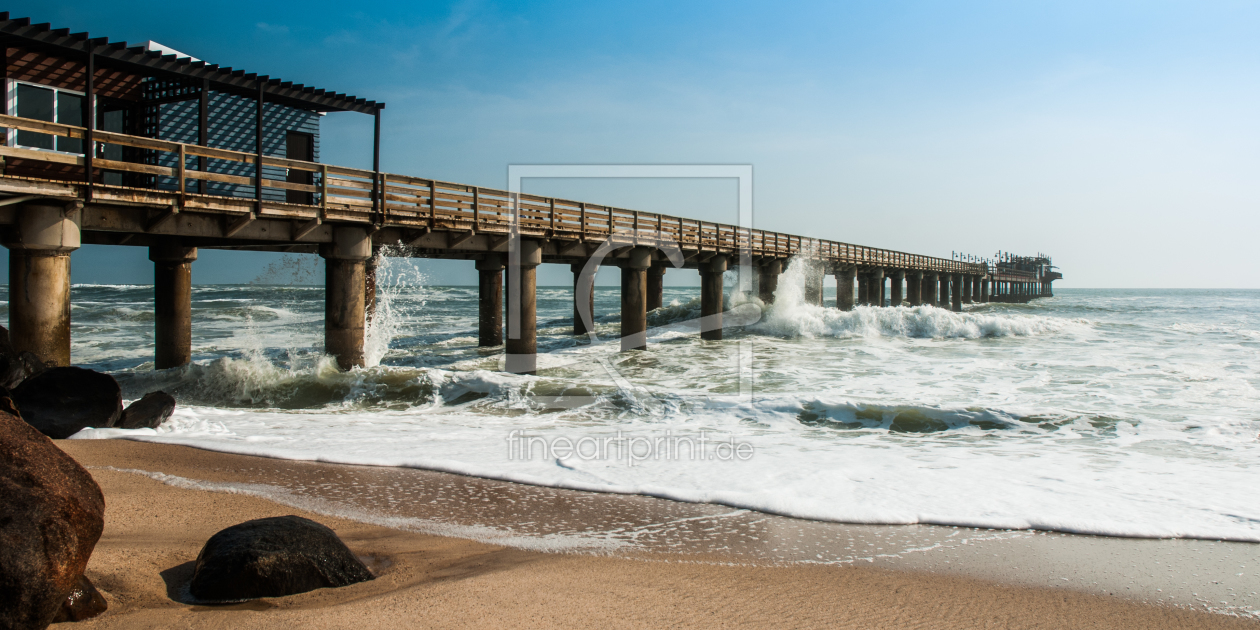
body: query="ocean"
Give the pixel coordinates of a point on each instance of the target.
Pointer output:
(1101, 411)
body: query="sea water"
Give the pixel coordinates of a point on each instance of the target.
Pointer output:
(1117, 412)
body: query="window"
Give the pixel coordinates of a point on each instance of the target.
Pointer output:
(52, 105)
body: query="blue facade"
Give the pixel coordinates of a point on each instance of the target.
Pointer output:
(232, 126)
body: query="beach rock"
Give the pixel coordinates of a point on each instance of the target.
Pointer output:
(83, 602)
(51, 515)
(148, 412)
(273, 557)
(12, 370)
(60, 401)
(6, 403)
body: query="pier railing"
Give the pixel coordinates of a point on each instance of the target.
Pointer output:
(347, 195)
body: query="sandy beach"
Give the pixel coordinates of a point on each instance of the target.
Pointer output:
(154, 530)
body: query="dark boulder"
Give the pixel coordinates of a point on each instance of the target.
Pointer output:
(61, 401)
(273, 557)
(16, 366)
(12, 370)
(83, 602)
(148, 412)
(51, 515)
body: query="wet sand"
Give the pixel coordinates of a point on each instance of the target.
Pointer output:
(453, 551)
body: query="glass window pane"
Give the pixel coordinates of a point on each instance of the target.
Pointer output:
(34, 102)
(70, 112)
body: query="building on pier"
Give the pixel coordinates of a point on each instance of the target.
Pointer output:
(237, 182)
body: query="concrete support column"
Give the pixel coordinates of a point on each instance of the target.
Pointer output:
(768, 281)
(345, 282)
(956, 293)
(813, 283)
(655, 286)
(914, 288)
(40, 242)
(634, 295)
(711, 298)
(880, 292)
(898, 280)
(521, 356)
(582, 311)
(844, 288)
(862, 289)
(369, 284)
(172, 303)
(490, 300)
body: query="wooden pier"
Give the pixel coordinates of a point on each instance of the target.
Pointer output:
(177, 197)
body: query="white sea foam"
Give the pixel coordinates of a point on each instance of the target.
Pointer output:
(1122, 414)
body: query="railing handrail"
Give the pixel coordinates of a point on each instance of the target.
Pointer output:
(409, 201)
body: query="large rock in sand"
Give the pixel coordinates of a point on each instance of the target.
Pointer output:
(61, 401)
(273, 557)
(148, 412)
(51, 515)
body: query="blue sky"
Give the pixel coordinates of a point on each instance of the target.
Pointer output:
(1121, 137)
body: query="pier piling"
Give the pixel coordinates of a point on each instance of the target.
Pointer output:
(711, 298)
(172, 303)
(634, 296)
(655, 286)
(344, 294)
(521, 351)
(844, 287)
(768, 281)
(39, 279)
(898, 281)
(582, 312)
(490, 300)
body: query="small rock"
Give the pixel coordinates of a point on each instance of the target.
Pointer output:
(273, 557)
(148, 412)
(63, 400)
(83, 602)
(51, 515)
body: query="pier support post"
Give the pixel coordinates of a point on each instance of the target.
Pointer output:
(768, 281)
(914, 287)
(172, 303)
(521, 347)
(879, 292)
(634, 295)
(813, 283)
(898, 280)
(39, 245)
(955, 293)
(369, 284)
(863, 286)
(344, 294)
(655, 286)
(711, 297)
(490, 300)
(581, 310)
(844, 288)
